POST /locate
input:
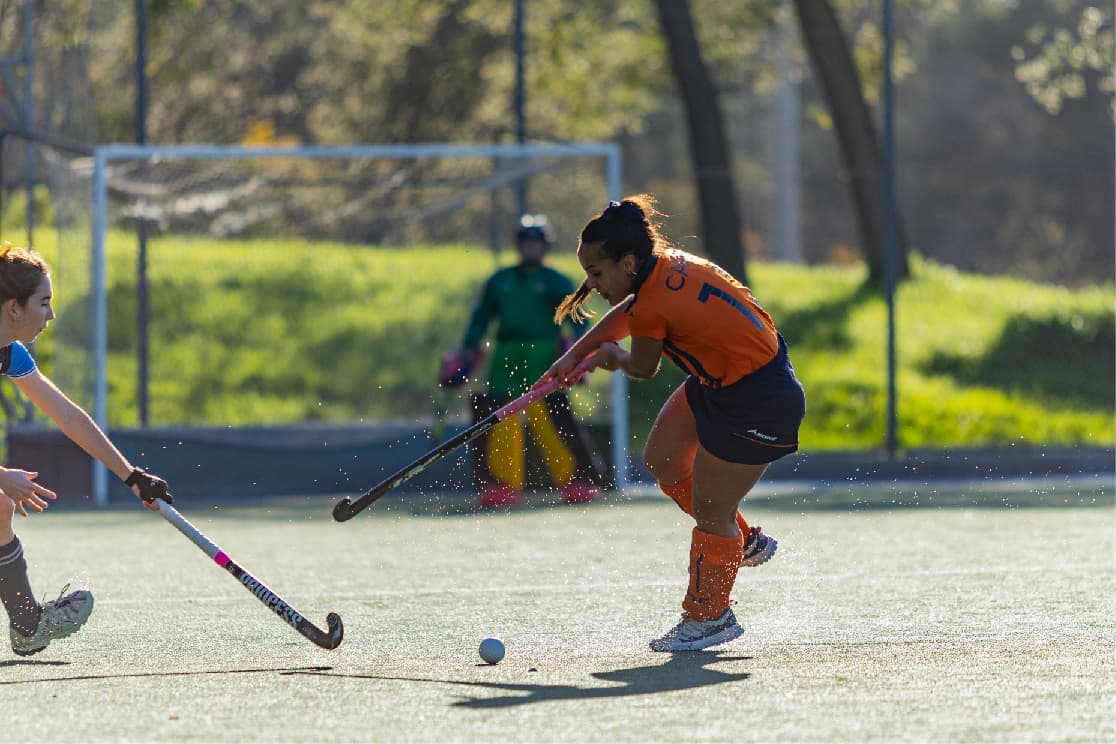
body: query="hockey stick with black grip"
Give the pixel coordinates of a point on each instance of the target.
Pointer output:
(328, 639)
(347, 508)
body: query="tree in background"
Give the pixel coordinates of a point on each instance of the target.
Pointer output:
(1006, 182)
(722, 226)
(833, 64)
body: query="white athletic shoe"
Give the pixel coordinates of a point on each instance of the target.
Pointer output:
(694, 635)
(60, 618)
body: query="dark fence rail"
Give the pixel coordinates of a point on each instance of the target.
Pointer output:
(258, 462)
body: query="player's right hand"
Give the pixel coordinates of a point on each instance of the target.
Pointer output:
(149, 487)
(20, 487)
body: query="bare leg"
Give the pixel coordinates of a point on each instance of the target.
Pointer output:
(719, 486)
(673, 441)
(710, 489)
(7, 515)
(671, 451)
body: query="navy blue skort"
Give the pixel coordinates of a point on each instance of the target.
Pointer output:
(755, 420)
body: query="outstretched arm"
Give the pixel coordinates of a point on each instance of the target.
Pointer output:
(76, 424)
(481, 317)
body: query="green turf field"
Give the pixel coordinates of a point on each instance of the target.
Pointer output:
(871, 624)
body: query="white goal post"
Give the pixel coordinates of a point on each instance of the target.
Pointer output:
(105, 155)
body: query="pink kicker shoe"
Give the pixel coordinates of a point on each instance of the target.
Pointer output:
(580, 491)
(498, 496)
(758, 548)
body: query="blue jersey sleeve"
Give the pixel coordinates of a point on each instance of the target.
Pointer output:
(20, 362)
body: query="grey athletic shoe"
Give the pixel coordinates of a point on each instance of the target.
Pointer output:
(60, 618)
(694, 635)
(758, 548)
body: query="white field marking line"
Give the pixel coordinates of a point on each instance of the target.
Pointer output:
(234, 596)
(912, 486)
(576, 587)
(962, 640)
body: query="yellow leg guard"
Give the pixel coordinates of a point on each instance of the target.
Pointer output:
(559, 459)
(505, 452)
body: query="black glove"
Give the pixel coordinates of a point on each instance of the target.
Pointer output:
(151, 487)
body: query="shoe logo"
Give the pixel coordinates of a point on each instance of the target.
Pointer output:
(761, 435)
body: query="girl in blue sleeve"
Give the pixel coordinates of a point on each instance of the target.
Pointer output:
(25, 311)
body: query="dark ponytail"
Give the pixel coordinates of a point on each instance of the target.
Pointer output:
(626, 227)
(572, 306)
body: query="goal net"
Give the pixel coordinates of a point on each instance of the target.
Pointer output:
(307, 284)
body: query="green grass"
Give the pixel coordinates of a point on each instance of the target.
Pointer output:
(269, 332)
(935, 632)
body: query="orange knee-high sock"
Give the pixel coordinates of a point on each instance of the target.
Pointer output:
(683, 495)
(714, 562)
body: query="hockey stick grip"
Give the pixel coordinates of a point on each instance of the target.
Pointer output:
(327, 639)
(347, 508)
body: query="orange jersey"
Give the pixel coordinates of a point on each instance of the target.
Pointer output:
(710, 324)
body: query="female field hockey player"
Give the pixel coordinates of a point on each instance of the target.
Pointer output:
(25, 310)
(739, 409)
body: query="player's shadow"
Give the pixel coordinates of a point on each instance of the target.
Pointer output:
(683, 671)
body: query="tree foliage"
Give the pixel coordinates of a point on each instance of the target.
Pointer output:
(1005, 106)
(860, 145)
(709, 147)
(1060, 63)
(1004, 184)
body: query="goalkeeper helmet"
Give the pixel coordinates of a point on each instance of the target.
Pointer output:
(535, 227)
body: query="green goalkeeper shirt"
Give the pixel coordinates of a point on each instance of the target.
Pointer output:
(522, 302)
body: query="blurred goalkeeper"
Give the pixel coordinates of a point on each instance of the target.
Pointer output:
(521, 300)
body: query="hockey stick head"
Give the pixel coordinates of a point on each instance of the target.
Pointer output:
(336, 632)
(343, 510)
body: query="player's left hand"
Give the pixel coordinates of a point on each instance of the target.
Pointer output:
(610, 357)
(20, 486)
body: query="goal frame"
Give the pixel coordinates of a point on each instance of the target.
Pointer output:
(105, 154)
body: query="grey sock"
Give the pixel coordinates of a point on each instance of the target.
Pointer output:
(15, 589)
